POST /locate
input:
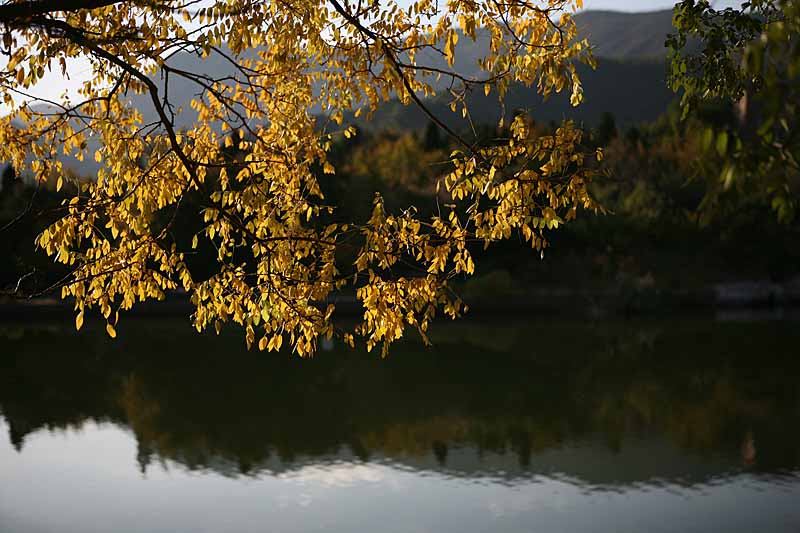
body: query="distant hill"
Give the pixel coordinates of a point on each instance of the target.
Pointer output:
(630, 81)
(626, 36)
(634, 92)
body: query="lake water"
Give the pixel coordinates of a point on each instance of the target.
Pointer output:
(531, 425)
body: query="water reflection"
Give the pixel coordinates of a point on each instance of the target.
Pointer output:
(537, 419)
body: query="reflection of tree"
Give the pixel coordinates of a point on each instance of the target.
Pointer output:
(48, 383)
(140, 414)
(247, 413)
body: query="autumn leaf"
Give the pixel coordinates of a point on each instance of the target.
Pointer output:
(255, 156)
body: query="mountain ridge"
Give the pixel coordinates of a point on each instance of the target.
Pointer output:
(626, 36)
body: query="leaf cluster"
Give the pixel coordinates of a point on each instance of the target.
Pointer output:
(749, 57)
(251, 162)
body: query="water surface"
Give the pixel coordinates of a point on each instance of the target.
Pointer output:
(680, 425)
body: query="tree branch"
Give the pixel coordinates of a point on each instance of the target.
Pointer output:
(17, 12)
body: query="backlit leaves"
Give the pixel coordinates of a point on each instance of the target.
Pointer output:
(260, 140)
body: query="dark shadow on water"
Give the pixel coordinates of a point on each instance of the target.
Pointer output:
(607, 405)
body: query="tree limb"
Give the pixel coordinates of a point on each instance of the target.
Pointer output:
(17, 12)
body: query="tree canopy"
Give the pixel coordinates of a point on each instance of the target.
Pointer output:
(247, 169)
(749, 57)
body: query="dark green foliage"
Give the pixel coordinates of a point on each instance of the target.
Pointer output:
(607, 130)
(749, 61)
(24, 212)
(433, 137)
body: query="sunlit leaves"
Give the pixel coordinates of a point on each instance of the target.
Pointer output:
(252, 157)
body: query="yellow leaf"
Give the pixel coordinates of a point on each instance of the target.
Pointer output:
(111, 331)
(271, 266)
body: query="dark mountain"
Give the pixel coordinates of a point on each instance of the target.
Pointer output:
(626, 36)
(630, 80)
(632, 91)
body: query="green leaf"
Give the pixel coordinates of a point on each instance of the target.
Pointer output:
(708, 138)
(722, 143)
(728, 174)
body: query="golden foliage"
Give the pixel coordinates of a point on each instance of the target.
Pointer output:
(266, 214)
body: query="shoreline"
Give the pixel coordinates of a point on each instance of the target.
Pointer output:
(756, 296)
